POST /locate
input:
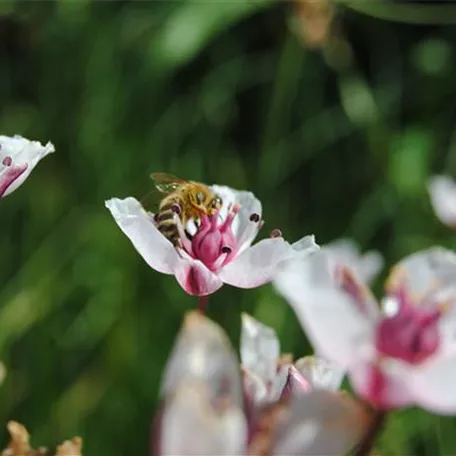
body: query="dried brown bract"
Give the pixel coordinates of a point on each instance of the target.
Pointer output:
(20, 442)
(71, 447)
(315, 21)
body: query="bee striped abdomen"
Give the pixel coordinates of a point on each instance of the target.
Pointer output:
(165, 220)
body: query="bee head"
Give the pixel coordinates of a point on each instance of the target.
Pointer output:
(204, 201)
(215, 204)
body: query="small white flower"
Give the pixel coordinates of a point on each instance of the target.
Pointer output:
(18, 157)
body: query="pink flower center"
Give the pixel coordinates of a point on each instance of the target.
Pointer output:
(412, 334)
(214, 243)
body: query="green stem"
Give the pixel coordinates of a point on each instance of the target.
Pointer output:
(376, 425)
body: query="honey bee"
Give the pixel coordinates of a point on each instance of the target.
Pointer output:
(187, 199)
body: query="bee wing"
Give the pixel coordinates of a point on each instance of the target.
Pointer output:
(166, 183)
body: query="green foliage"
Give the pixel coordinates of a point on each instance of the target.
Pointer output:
(219, 92)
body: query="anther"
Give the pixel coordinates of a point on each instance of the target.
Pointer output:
(276, 233)
(176, 209)
(226, 249)
(254, 218)
(234, 208)
(7, 161)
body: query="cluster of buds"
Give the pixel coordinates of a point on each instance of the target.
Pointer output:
(213, 409)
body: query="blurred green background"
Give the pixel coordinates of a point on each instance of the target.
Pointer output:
(336, 140)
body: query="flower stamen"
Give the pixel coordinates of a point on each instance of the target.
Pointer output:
(7, 161)
(276, 233)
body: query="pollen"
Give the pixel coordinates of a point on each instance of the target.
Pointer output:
(254, 218)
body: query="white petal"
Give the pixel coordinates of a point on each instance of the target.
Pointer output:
(244, 229)
(254, 388)
(346, 252)
(278, 383)
(137, 225)
(321, 374)
(434, 385)
(372, 263)
(428, 276)
(321, 423)
(22, 152)
(332, 321)
(260, 348)
(192, 426)
(203, 352)
(260, 263)
(442, 191)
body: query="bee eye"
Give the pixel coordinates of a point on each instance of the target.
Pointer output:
(217, 202)
(199, 198)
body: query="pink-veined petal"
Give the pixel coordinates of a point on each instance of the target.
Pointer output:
(332, 321)
(321, 423)
(259, 264)
(195, 278)
(243, 227)
(260, 348)
(385, 384)
(137, 225)
(192, 425)
(8, 176)
(24, 155)
(433, 384)
(442, 191)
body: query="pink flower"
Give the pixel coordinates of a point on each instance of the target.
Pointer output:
(442, 191)
(220, 250)
(18, 157)
(345, 252)
(203, 413)
(405, 356)
(267, 376)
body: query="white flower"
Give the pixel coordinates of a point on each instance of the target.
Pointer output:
(18, 157)
(406, 357)
(219, 252)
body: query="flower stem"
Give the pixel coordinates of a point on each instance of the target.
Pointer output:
(203, 301)
(376, 425)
